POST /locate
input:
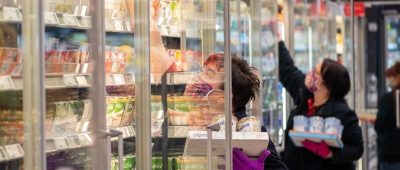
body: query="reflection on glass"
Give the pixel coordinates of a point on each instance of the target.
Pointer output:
(392, 30)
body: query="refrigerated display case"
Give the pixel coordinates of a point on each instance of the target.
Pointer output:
(314, 37)
(97, 91)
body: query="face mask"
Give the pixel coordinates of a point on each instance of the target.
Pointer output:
(313, 87)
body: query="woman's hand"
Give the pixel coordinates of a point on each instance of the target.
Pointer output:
(242, 162)
(321, 148)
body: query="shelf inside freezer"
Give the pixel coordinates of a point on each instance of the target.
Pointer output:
(59, 144)
(65, 20)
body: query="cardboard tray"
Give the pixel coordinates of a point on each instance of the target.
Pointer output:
(330, 139)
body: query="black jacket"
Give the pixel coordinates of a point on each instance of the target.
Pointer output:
(297, 158)
(385, 126)
(273, 162)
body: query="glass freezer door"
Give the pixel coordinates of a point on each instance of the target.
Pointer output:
(11, 86)
(392, 41)
(188, 94)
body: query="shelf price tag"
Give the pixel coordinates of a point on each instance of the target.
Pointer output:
(128, 26)
(3, 154)
(71, 141)
(119, 79)
(109, 26)
(14, 151)
(118, 25)
(60, 143)
(11, 14)
(50, 145)
(86, 21)
(131, 131)
(69, 20)
(85, 139)
(124, 132)
(51, 18)
(82, 81)
(69, 80)
(6, 83)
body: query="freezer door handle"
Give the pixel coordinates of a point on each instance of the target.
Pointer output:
(111, 134)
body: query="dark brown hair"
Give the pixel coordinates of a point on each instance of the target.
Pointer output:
(394, 70)
(245, 84)
(336, 78)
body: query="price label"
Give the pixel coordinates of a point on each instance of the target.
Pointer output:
(14, 151)
(127, 133)
(118, 25)
(82, 81)
(69, 80)
(11, 14)
(119, 79)
(109, 26)
(3, 154)
(128, 26)
(85, 139)
(76, 140)
(6, 83)
(51, 18)
(50, 145)
(60, 143)
(69, 20)
(86, 21)
(71, 142)
(131, 131)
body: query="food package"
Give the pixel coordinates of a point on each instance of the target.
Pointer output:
(128, 116)
(221, 120)
(249, 124)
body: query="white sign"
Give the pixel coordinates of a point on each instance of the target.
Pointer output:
(118, 25)
(119, 79)
(11, 14)
(14, 151)
(82, 81)
(51, 18)
(69, 20)
(6, 83)
(69, 80)
(60, 143)
(3, 154)
(128, 26)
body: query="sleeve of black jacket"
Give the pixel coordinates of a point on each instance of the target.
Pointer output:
(273, 162)
(289, 75)
(382, 115)
(352, 140)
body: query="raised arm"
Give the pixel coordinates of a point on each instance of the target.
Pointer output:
(289, 75)
(160, 62)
